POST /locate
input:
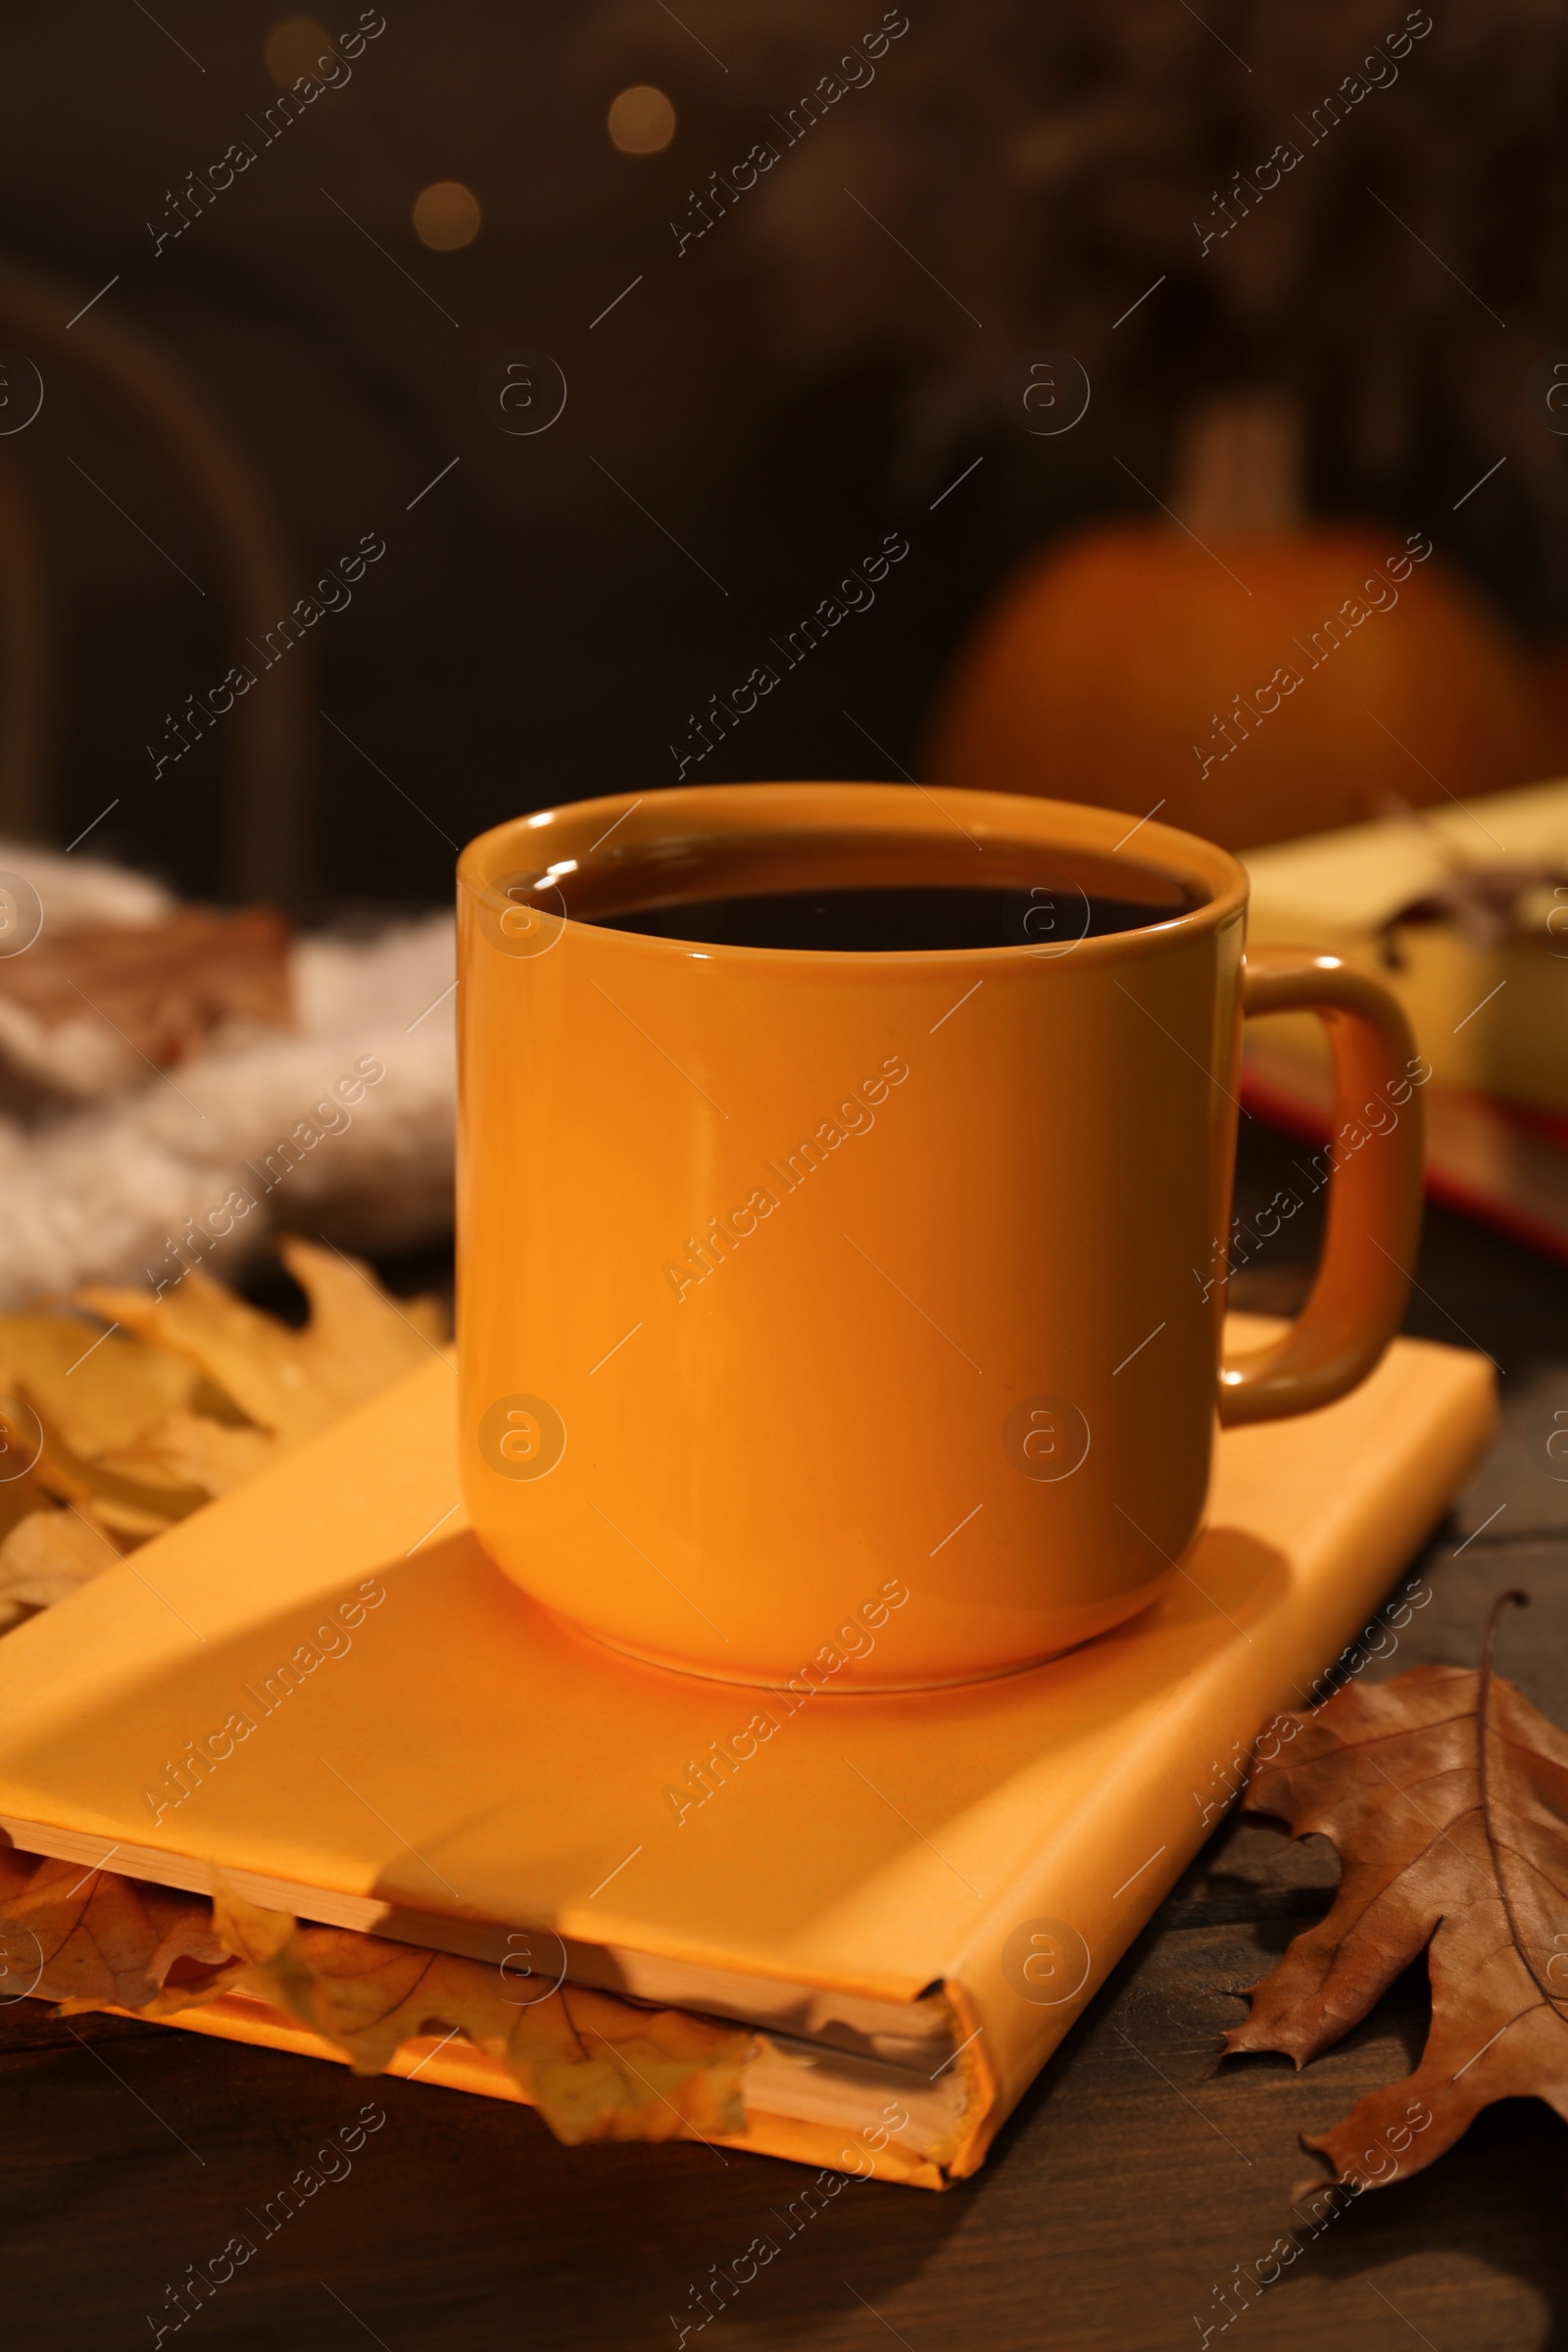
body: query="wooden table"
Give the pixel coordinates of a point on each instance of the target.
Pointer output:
(1138, 2174)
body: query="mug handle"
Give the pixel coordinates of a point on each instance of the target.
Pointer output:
(1374, 1203)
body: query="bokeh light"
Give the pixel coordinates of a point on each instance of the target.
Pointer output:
(642, 120)
(446, 215)
(293, 47)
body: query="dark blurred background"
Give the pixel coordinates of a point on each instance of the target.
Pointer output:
(757, 411)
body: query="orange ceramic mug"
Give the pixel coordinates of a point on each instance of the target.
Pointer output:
(856, 1312)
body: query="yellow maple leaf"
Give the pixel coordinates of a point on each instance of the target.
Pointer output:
(47, 1554)
(192, 1449)
(290, 1383)
(94, 1391)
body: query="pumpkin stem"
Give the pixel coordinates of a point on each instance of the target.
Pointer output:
(1238, 465)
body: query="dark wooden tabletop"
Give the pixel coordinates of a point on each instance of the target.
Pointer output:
(1141, 2183)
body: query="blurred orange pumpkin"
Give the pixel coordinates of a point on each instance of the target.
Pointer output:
(1254, 678)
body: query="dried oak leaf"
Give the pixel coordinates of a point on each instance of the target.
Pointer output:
(596, 2067)
(1446, 1795)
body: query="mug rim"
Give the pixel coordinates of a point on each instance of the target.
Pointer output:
(578, 827)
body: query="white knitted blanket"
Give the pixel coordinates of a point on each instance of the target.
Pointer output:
(262, 1131)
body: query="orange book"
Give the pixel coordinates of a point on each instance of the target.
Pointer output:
(910, 1897)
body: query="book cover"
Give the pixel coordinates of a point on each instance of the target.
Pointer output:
(320, 1687)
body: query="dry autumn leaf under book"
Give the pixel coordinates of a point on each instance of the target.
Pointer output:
(1446, 1796)
(147, 1412)
(596, 2067)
